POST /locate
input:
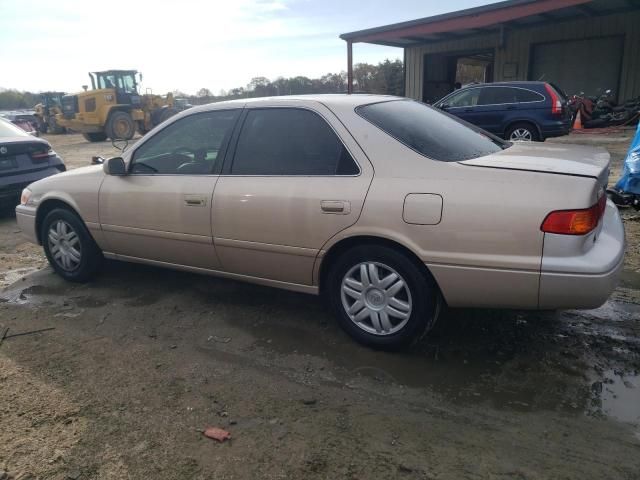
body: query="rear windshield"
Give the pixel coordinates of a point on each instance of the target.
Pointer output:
(430, 132)
(8, 129)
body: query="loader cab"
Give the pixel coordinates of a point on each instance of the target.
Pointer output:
(124, 83)
(52, 99)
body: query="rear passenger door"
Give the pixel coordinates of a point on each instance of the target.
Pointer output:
(296, 178)
(494, 106)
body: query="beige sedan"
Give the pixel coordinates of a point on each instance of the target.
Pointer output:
(385, 205)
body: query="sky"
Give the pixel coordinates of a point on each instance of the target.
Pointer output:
(187, 45)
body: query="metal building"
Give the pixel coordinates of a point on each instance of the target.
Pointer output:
(581, 45)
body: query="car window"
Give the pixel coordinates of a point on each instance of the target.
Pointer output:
(189, 146)
(430, 132)
(465, 98)
(526, 95)
(290, 141)
(498, 96)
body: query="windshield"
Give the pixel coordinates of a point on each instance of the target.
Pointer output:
(125, 82)
(430, 132)
(8, 129)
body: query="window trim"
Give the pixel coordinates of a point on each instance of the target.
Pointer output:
(543, 97)
(216, 170)
(233, 144)
(460, 92)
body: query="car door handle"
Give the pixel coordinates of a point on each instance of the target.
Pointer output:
(511, 107)
(195, 200)
(340, 207)
(468, 109)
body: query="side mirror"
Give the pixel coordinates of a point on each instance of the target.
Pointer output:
(115, 166)
(443, 106)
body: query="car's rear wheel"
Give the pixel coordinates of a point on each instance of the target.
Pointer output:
(69, 247)
(522, 132)
(381, 297)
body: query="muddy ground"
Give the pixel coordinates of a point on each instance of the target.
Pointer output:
(142, 359)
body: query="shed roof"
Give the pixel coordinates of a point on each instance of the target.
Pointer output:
(485, 19)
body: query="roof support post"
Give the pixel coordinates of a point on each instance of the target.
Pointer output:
(349, 67)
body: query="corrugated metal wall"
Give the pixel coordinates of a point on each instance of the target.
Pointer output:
(517, 47)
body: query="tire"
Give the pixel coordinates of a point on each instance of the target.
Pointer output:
(120, 126)
(141, 128)
(42, 126)
(95, 136)
(160, 115)
(522, 131)
(414, 302)
(69, 247)
(54, 127)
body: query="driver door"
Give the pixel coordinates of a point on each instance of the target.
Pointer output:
(463, 104)
(161, 210)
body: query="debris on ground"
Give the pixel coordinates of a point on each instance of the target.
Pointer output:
(217, 434)
(215, 338)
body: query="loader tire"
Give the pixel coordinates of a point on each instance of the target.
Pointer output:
(120, 126)
(95, 136)
(162, 114)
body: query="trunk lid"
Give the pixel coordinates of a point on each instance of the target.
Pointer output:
(559, 159)
(19, 155)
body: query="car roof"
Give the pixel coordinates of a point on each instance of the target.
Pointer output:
(516, 83)
(328, 99)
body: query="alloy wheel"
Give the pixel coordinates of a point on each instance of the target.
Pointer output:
(521, 135)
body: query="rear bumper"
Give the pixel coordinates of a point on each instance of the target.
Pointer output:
(11, 185)
(587, 279)
(557, 129)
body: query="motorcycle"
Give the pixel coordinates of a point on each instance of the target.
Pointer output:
(603, 110)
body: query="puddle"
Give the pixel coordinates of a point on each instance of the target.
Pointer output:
(618, 396)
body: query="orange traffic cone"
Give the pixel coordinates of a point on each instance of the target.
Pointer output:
(577, 125)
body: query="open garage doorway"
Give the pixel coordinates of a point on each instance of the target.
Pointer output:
(442, 72)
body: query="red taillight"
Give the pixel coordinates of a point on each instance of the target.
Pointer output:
(556, 103)
(575, 222)
(40, 154)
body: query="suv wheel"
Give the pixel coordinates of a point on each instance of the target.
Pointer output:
(69, 247)
(522, 132)
(380, 297)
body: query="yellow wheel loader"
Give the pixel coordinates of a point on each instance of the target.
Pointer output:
(113, 108)
(46, 111)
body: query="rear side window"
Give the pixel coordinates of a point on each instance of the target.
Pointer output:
(290, 141)
(525, 95)
(430, 132)
(497, 95)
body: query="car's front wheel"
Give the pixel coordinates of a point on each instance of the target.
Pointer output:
(69, 247)
(381, 297)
